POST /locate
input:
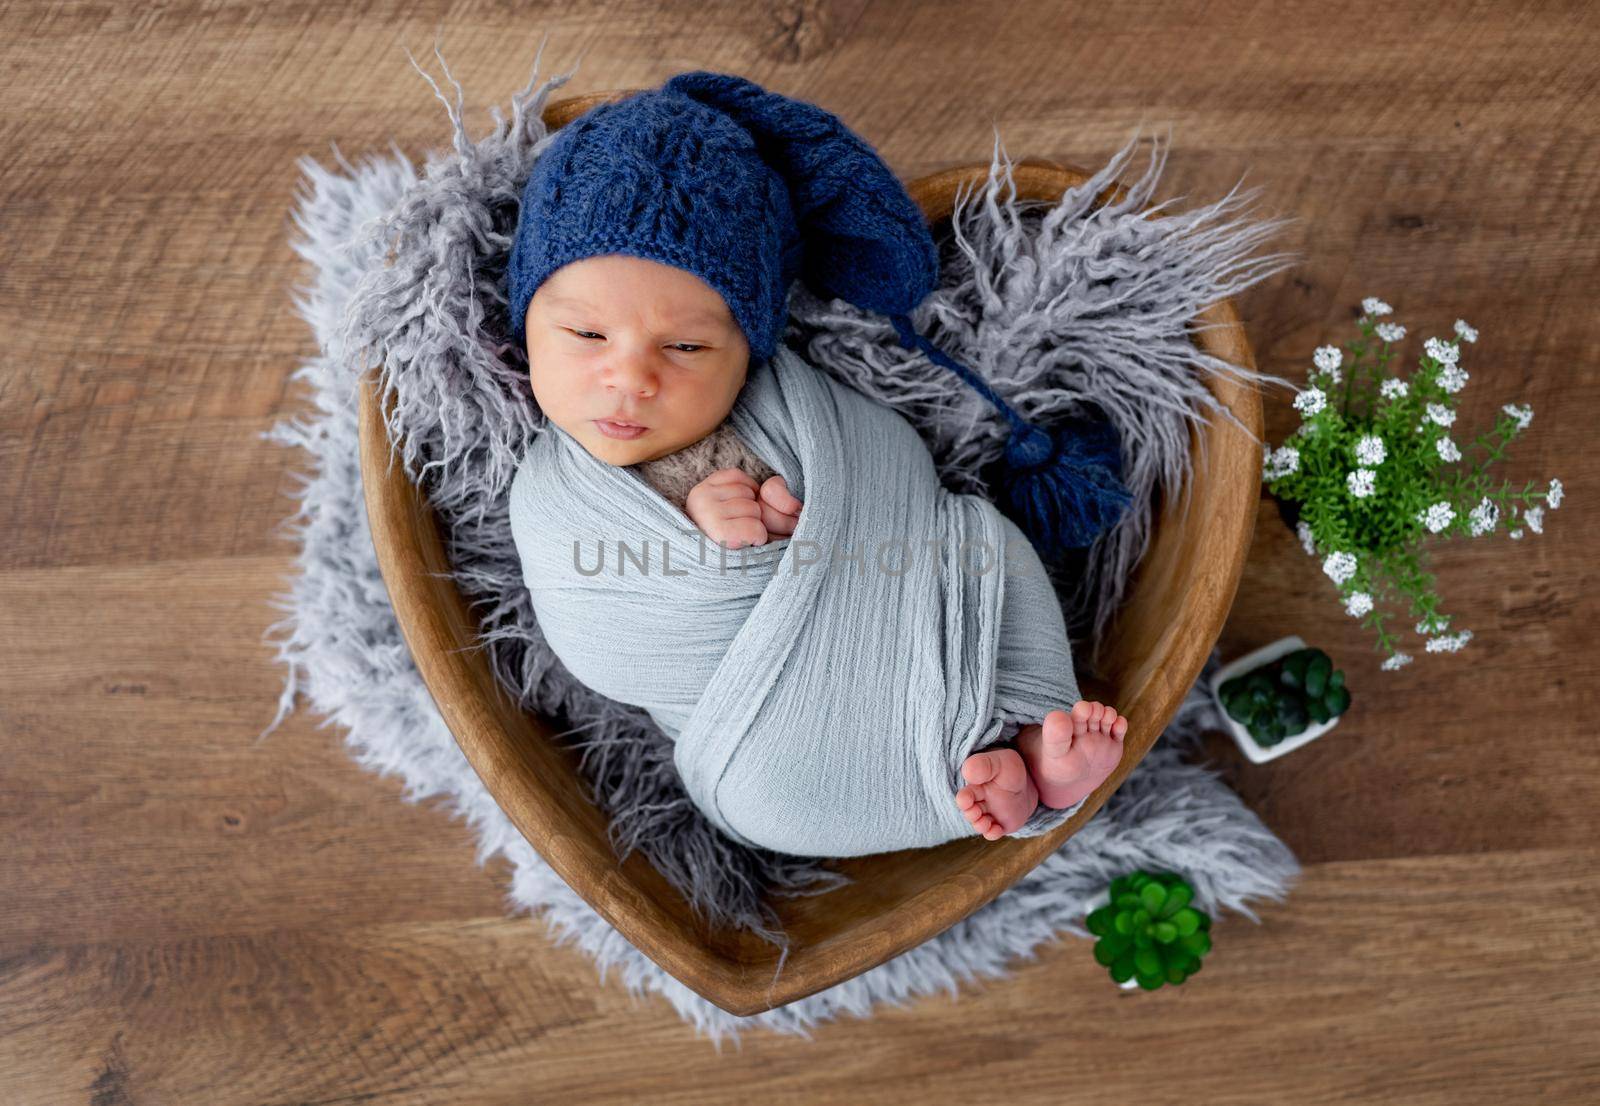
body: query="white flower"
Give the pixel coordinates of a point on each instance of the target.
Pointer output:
(1307, 539)
(1534, 517)
(1281, 462)
(1441, 414)
(1434, 624)
(1516, 535)
(1482, 519)
(1370, 450)
(1357, 604)
(1328, 359)
(1554, 495)
(1339, 566)
(1397, 661)
(1521, 412)
(1372, 305)
(1361, 482)
(1451, 378)
(1310, 401)
(1441, 351)
(1449, 643)
(1437, 517)
(1393, 389)
(1466, 333)
(1391, 332)
(1448, 451)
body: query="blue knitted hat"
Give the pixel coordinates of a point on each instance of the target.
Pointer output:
(750, 190)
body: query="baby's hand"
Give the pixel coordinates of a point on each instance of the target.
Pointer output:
(731, 508)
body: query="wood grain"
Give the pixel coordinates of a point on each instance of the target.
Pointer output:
(189, 916)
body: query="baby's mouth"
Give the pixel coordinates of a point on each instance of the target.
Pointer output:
(616, 428)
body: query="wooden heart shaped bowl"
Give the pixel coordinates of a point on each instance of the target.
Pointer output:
(1160, 639)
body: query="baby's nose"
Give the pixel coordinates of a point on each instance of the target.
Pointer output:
(631, 377)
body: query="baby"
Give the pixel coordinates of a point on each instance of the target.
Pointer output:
(640, 362)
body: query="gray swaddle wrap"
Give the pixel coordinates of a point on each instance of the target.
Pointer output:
(823, 689)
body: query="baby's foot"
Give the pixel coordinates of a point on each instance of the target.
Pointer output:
(1069, 756)
(999, 796)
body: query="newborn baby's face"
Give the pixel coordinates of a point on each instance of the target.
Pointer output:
(618, 337)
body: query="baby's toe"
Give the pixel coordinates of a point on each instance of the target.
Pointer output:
(1082, 712)
(980, 768)
(981, 819)
(1057, 733)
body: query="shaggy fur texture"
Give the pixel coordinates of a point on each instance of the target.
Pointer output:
(1059, 305)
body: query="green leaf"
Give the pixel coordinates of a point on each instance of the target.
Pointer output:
(1292, 713)
(1337, 679)
(1297, 661)
(1318, 710)
(1115, 944)
(1166, 932)
(1178, 896)
(1154, 897)
(1317, 675)
(1122, 968)
(1337, 700)
(1147, 962)
(1187, 921)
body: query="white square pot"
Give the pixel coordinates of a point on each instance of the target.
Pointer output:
(1257, 752)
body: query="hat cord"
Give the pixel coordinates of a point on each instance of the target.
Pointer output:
(912, 340)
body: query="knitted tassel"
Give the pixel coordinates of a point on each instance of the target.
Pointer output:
(1063, 488)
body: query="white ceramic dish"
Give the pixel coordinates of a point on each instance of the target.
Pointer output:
(1258, 753)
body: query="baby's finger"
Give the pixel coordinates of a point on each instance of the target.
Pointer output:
(776, 492)
(777, 522)
(732, 477)
(739, 532)
(734, 507)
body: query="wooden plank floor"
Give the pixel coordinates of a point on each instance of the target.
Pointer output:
(189, 916)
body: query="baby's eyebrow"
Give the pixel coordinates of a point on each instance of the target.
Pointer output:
(691, 319)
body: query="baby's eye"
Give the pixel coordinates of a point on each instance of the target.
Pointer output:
(692, 348)
(584, 333)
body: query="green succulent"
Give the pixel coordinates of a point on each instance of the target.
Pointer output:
(1281, 698)
(1148, 931)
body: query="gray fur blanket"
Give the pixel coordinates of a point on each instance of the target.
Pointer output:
(1057, 304)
